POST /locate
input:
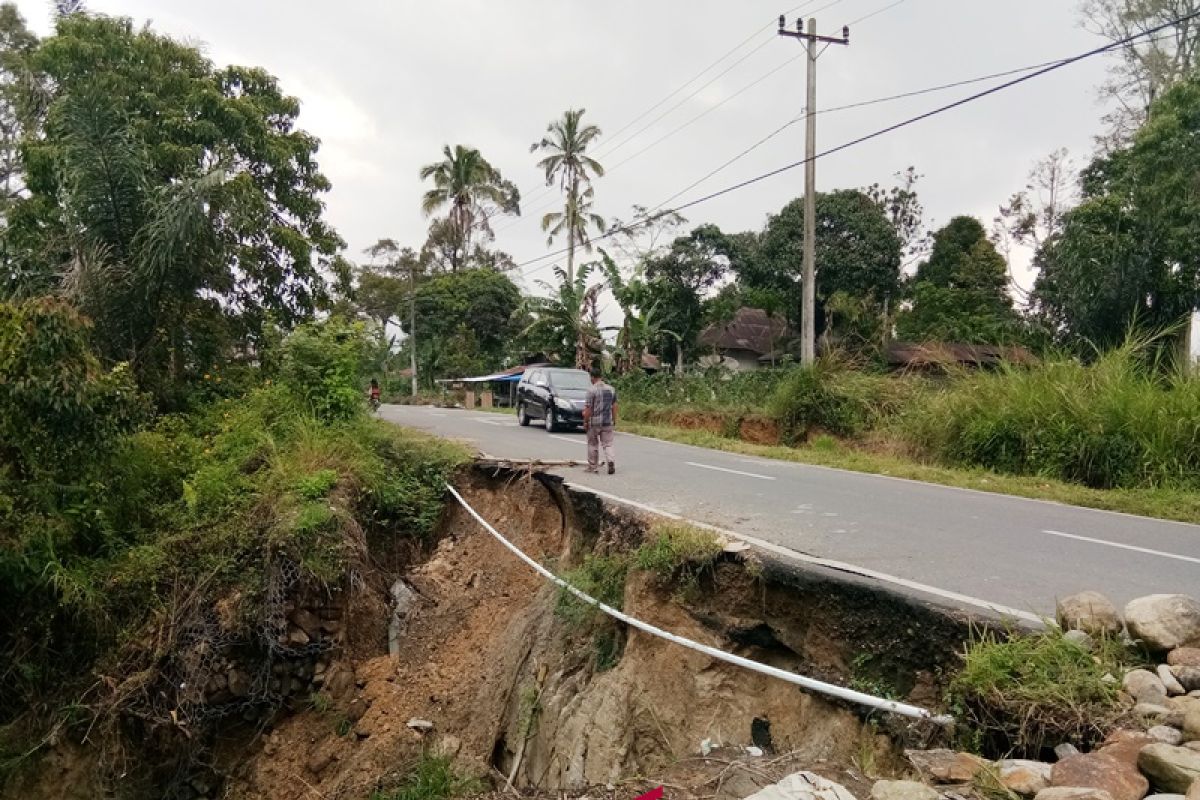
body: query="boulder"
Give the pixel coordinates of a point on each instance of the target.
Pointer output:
(1090, 612)
(1156, 712)
(306, 621)
(1164, 622)
(902, 790)
(1101, 771)
(803, 786)
(1026, 778)
(1166, 734)
(1124, 746)
(1065, 750)
(1184, 657)
(1072, 793)
(1188, 677)
(1144, 687)
(1191, 726)
(945, 766)
(1170, 682)
(1173, 769)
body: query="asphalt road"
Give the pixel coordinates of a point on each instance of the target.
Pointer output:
(966, 548)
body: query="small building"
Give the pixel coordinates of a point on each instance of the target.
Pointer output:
(752, 339)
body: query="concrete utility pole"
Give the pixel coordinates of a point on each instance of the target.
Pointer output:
(810, 40)
(412, 323)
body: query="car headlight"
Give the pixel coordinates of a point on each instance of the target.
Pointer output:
(565, 405)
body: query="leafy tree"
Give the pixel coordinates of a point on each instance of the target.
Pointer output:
(474, 191)
(903, 208)
(1146, 69)
(16, 45)
(58, 407)
(857, 253)
(566, 143)
(480, 301)
(1129, 254)
(960, 294)
(642, 327)
(680, 279)
(170, 198)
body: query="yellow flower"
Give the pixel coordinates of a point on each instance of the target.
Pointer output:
(206, 376)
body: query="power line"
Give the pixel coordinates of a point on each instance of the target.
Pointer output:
(860, 104)
(543, 189)
(1050, 67)
(876, 13)
(679, 128)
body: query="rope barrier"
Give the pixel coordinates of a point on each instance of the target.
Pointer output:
(811, 684)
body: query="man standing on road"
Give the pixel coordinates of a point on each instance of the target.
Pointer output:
(600, 417)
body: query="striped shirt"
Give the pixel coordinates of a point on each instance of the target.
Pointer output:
(600, 401)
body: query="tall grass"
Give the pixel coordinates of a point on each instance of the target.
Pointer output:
(1123, 421)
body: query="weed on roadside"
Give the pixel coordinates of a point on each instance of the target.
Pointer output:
(431, 778)
(678, 552)
(1026, 692)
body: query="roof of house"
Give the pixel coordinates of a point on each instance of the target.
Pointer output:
(750, 329)
(912, 354)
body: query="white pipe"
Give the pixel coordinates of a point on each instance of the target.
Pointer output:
(810, 684)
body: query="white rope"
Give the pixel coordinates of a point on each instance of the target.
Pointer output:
(810, 684)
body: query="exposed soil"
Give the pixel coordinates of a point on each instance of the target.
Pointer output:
(510, 687)
(759, 430)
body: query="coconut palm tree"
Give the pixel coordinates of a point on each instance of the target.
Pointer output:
(474, 190)
(565, 144)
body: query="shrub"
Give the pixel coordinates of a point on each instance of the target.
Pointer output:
(59, 411)
(322, 365)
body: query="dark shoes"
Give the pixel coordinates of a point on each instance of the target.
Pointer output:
(611, 468)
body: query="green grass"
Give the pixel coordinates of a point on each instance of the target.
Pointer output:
(1123, 421)
(678, 551)
(1030, 691)
(601, 577)
(432, 778)
(1164, 503)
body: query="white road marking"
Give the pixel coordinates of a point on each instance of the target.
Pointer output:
(841, 566)
(731, 471)
(568, 439)
(1121, 546)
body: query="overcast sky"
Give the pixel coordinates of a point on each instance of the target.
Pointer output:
(385, 84)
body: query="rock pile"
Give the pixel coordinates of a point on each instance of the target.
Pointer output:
(1162, 756)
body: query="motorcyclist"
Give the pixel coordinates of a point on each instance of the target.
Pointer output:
(374, 394)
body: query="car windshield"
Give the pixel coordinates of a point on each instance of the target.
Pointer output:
(570, 379)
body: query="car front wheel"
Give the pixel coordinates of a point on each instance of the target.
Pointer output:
(522, 416)
(551, 420)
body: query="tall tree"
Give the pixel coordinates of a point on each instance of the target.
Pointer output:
(466, 319)
(960, 294)
(473, 191)
(565, 144)
(171, 197)
(1146, 69)
(1129, 254)
(17, 43)
(679, 282)
(858, 253)
(903, 209)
